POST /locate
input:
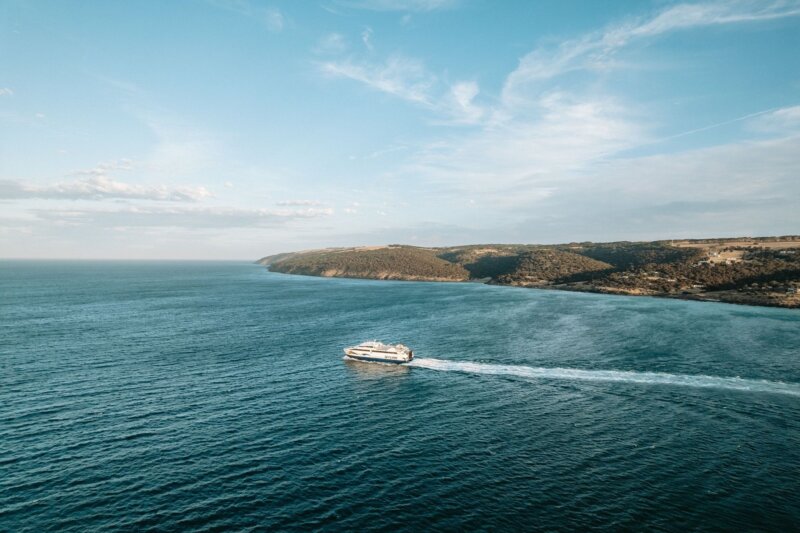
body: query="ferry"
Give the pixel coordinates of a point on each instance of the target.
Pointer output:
(378, 352)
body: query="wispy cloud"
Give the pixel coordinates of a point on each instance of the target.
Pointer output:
(180, 146)
(399, 76)
(739, 171)
(783, 120)
(366, 38)
(523, 157)
(384, 151)
(596, 50)
(400, 5)
(270, 17)
(538, 139)
(100, 187)
(460, 102)
(742, 187)
(295, 203)
(96, 183)
(409, 79)
(538, 143)
(103, 169)
(206, 217)
(5, 91)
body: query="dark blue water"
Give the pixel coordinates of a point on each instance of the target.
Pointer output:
(214, 396)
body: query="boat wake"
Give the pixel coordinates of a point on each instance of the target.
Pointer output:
(647, 378)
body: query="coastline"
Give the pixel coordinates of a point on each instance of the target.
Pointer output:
(726, 297)
(756, 271)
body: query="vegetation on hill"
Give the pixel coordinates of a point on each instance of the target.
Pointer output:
(393, 262)
(486, 261)
(626, 255)
(549, 265)
(762, 271)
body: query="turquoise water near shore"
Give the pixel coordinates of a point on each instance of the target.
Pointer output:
(214, 396)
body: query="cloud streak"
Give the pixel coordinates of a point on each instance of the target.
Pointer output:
(398, 76)
(401, 5)
(183, 217)
(295, 203)
(778, 120)
(100, 187)
(103, 169)
(596, 50)
(409, 79)
(539, 139)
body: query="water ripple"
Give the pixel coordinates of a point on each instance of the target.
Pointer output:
(213, 397)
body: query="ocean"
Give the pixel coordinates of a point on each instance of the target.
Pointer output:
(210, 396)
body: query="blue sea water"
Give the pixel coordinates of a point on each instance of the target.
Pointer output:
(141, 396)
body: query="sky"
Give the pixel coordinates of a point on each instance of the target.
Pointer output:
(234, 129)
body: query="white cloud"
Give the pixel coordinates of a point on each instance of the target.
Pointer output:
(538, 141)
(207, 217)
(307, 203)
(401, 5)
(460, 102)
(399, 76)
(103, 169)
(5, 91)
(735, 172)
(538, 147)
(522, 157)
(100, 187)
(684, 16)
(408, 79)
(786, 119)
(742, 187)
(384, 151)
(366, 37)
(595, 50)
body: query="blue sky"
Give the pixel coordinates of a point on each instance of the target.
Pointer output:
(231, 129)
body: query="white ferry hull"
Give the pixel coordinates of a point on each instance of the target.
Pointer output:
(372, 357)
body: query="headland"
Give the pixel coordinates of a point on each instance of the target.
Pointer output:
(747, 270)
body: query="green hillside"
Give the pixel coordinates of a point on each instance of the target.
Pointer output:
(391, 262)
(549, 265)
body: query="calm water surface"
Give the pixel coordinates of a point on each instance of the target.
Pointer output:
(214, 396)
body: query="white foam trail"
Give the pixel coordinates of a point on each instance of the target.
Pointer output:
(648, 378)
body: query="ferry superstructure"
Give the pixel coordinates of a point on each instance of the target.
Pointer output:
(379, 352)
